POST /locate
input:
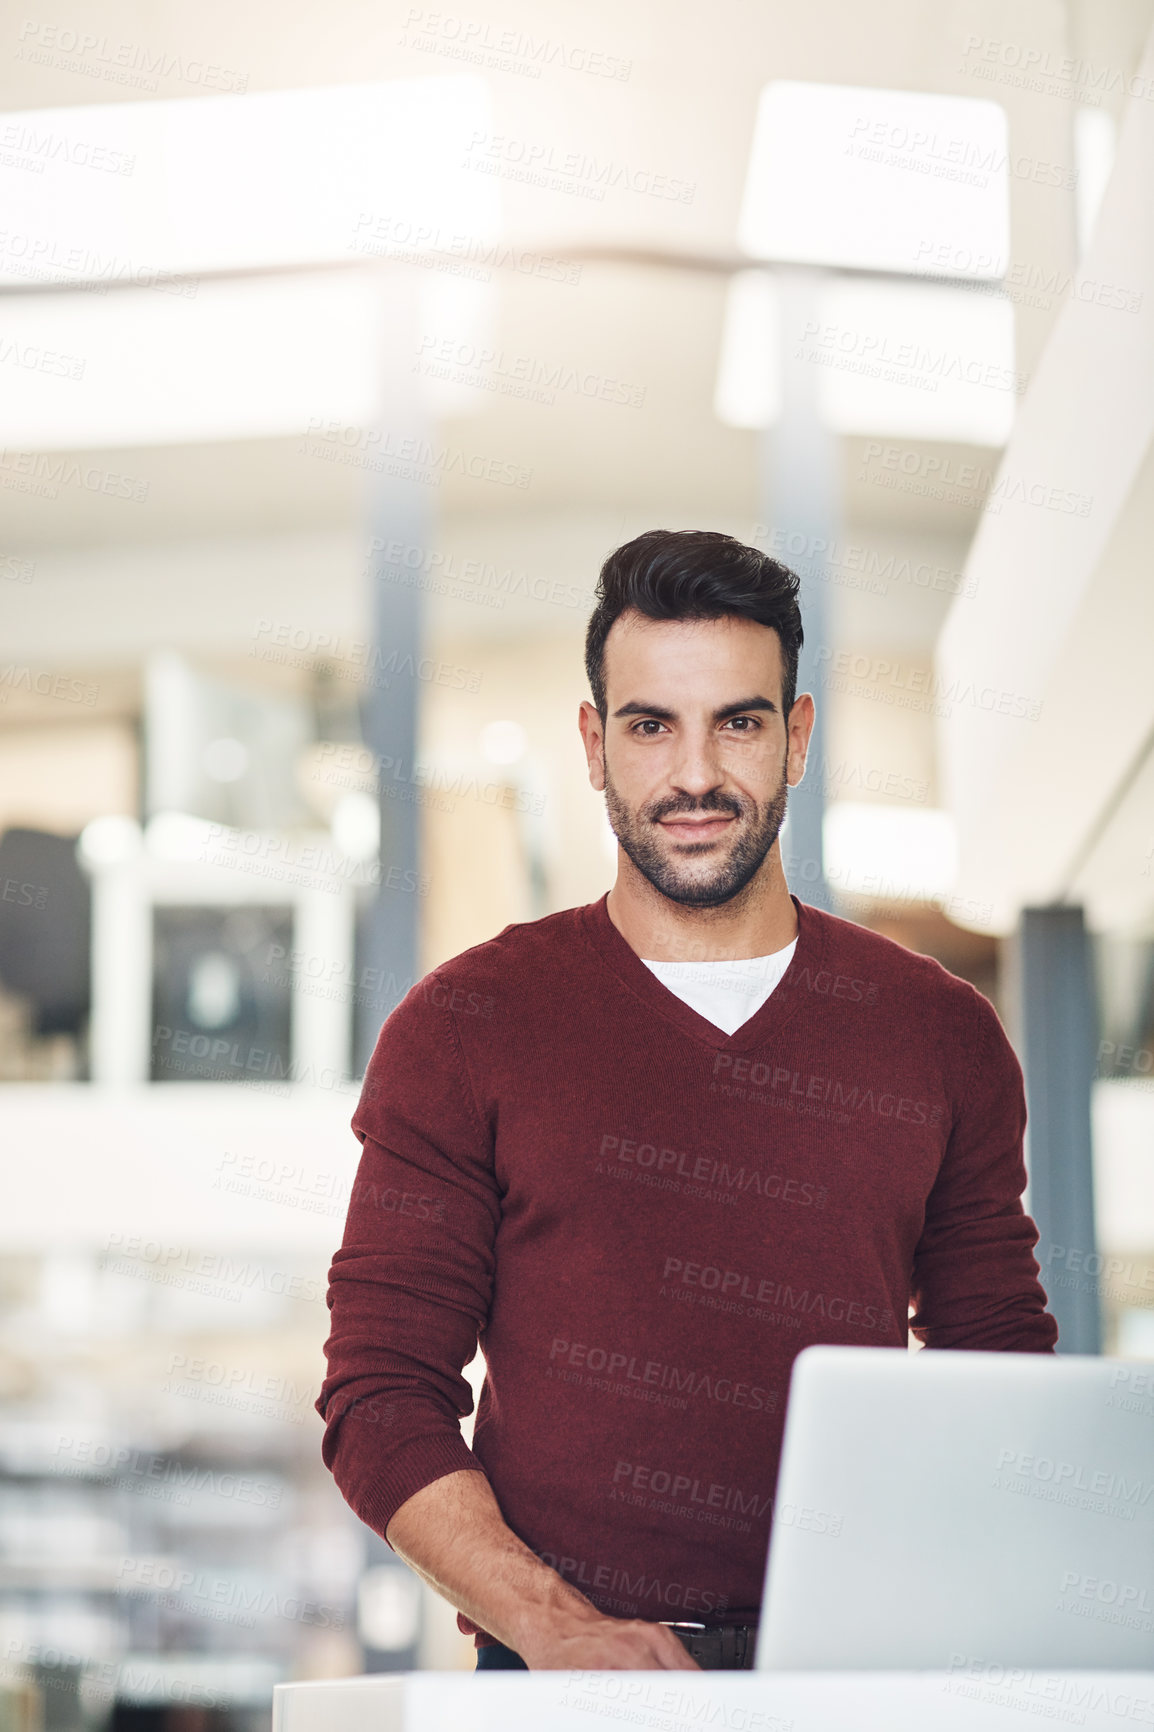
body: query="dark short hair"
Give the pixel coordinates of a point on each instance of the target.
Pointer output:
(694, 574)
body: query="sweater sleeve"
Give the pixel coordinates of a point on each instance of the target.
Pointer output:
(410, 1286)
(975, 1280)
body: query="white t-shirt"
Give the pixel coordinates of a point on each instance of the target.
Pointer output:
(725, 993)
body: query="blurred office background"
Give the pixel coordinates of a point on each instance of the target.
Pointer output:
(338, 347)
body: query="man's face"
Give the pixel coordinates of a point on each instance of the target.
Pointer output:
(696, 756)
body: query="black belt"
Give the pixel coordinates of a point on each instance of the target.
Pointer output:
(725, 1647)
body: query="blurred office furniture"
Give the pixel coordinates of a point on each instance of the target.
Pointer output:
(21, 1708)
(45, 919)
(184, 1552)
(389, 1608)
(219, 750)
(125, 1575)
(243, 891)
(218, 979)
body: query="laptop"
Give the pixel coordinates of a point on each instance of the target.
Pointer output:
(938, 1510)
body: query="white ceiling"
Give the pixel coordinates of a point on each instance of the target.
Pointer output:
(682, 118)
(656, 98)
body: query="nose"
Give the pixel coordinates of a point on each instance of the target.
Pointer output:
(696, 769)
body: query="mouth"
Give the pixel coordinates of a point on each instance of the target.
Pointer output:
(704, 829)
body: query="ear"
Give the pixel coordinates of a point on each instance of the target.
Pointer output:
(799, 730)
(593, 739)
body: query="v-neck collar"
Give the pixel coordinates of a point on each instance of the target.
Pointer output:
(618, 955)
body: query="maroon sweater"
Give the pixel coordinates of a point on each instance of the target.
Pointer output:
(644, 1220)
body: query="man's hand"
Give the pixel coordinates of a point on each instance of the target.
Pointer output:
(606, 1645)
(453, 1535)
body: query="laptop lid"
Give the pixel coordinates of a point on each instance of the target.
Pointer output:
(935, 1508)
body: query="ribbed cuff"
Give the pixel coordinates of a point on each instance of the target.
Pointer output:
(375, 1487)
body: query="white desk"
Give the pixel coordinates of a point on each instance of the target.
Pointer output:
(978, 1699)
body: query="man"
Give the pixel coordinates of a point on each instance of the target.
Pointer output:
(646, 1151)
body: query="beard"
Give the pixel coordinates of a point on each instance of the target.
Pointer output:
(673, 875)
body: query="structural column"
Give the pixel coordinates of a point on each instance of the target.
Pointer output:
(801, 498)
(399, 522)
(1059, 1034)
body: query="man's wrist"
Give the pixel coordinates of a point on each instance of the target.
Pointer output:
(557, 1613)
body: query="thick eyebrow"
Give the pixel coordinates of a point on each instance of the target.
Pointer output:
(661, 713)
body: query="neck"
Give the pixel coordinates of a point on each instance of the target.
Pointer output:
(757, 921)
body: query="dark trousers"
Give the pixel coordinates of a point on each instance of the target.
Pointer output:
(497, 1658)
(727, 1649)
